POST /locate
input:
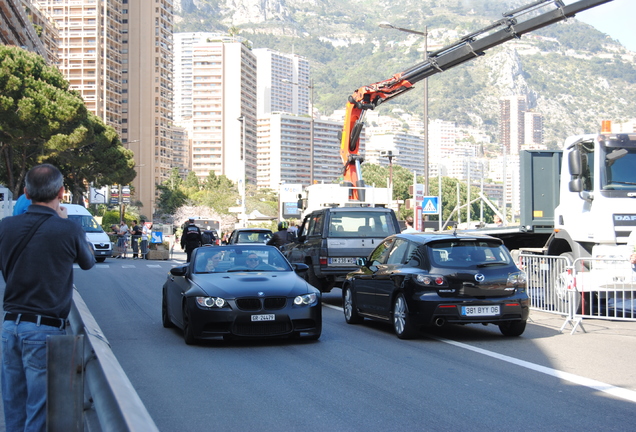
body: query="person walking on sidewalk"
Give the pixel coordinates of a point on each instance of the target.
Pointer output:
(190, 238)
(37, 252)
(145, 236)
(122, 239)
(134, 240)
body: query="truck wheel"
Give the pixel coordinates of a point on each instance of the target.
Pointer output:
(313, 279)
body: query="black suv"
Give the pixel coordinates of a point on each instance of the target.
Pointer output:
(330, 240)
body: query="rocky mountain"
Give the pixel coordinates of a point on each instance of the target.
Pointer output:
(571, 73)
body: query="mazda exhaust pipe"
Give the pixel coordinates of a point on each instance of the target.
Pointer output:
(439, 322)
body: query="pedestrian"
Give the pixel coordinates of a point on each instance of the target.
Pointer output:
(145, 235)
(134, 239)
(409, 226)
(122, 239)
(190, 238)
(37, 252)
(281, 237)
(21, 205)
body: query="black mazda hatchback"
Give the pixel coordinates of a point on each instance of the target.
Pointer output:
(426, 279)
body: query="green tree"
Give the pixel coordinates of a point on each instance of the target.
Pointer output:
(93, 154)
(378, 175)
(35, 105)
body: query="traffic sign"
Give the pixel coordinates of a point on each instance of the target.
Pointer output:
(430, 205)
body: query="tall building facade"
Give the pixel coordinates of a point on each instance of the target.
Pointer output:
(217, 104)
(16, 28)
(511, 123)
(283, 150)
(90, 52)
(147, 94)
(118, 55)
(408, 150)
(284, 83)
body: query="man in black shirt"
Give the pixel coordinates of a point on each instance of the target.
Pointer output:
(37, 252)
(190, 238)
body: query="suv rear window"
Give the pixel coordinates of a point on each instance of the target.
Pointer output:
(360, 224)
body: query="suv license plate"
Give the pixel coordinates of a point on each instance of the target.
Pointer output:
(480, 310)
(342, 260)
(266, 317)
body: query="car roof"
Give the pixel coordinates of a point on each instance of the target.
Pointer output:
(356, 209)
(427, 237)
(253, 229)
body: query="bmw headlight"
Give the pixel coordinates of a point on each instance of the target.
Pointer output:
(211, 302)
(306, 300)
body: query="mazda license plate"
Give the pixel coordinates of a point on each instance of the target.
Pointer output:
(491, 310)
(264, 317)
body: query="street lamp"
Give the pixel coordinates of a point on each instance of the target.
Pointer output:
(311, 125)
(242, 179)
(388, 25)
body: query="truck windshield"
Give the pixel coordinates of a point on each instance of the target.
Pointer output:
(619, 168)
(359, 224)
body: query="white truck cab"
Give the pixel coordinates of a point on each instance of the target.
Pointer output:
(95, 235)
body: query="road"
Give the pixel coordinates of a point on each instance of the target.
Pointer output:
(362, 378)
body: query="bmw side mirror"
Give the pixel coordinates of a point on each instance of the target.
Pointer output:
(300, 268)
(179, 271)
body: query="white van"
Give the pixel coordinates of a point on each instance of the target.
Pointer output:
(94, 233)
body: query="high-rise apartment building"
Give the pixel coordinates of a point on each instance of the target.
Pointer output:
(217, 103)
(90, 52)
(533, 129)
(284, 83)
(16, 28)
(407, 150)
(283, 150)
(147, 93)
(511, 122)
(118, 55)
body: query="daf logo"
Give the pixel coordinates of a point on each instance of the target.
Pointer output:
(480, 277)
(625, 217)
(261, 294)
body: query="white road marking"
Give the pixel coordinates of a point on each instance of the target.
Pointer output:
(619, 392)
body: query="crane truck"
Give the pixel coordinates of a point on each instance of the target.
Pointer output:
(330, 253)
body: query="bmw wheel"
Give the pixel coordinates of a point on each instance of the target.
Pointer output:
(165, 316)
(188, 332)
(401, 320)
(349, 307)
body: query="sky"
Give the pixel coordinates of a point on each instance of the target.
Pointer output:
(616, 18)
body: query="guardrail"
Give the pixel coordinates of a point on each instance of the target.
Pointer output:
(87, 388)
(599, 288)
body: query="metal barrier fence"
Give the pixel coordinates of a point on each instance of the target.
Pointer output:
(87, 388)
(589, 288)
(547, 282)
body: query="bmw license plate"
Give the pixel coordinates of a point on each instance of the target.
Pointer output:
(480, 310)
(264, 317)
